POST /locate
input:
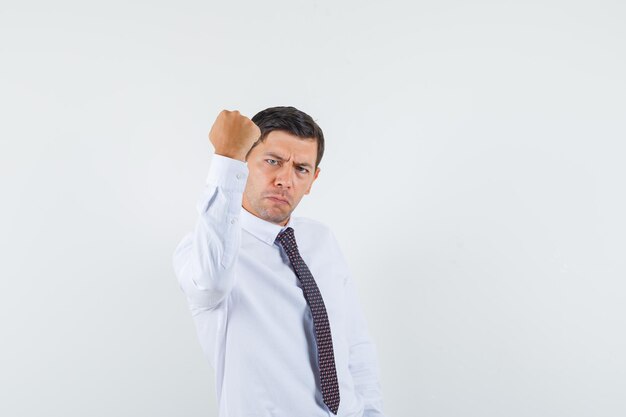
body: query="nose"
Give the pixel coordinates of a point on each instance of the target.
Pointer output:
(284, 176)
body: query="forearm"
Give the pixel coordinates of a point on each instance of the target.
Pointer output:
(204, 259)
(365, 374)
(363, 362)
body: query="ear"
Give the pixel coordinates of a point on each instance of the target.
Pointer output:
(317, 172)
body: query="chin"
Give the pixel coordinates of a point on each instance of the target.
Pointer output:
(275, 216)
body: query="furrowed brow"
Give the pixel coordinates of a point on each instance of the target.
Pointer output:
(280, 158)
(275, 156)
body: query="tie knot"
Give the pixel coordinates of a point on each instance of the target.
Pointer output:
(287, 238)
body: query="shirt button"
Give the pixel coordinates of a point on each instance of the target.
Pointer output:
(239, 176)
(232, 221)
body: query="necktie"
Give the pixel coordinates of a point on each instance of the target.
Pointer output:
(325, 355)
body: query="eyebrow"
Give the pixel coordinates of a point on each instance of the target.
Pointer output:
(280, 158)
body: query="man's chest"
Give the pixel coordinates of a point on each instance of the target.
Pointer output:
(268, 291)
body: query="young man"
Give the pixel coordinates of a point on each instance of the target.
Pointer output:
(271, 295)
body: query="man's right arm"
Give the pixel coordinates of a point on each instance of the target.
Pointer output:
(204, 260)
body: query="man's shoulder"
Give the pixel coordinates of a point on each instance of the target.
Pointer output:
(312, 226)
(300, 220)
(318, 234)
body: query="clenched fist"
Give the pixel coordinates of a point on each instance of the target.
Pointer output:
(233, 134)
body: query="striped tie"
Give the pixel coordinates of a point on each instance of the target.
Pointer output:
(326, 357)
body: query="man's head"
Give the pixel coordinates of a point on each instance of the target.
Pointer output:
(283, 163)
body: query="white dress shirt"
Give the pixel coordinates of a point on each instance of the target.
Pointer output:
(252, 319)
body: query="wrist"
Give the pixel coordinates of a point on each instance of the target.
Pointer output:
(233, 155)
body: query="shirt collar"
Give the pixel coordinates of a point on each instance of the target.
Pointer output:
(262, 229)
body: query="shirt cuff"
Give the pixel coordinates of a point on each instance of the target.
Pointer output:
(227, 173)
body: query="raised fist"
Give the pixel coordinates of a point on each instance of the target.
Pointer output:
(233, 134)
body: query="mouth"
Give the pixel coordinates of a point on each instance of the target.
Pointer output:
(278, 200)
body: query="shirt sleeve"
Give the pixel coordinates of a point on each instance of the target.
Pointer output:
(363, 361)
(204, 259)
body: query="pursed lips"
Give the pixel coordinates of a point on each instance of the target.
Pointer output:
(278, 199)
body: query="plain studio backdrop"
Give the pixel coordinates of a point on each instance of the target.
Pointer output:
(474, 175)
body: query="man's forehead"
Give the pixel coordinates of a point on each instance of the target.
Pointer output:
(283, 144)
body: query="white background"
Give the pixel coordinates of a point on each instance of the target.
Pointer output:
(474, 176)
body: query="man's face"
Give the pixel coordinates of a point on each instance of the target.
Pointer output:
(281, 172)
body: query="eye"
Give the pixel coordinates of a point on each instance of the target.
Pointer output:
(272, 161)
(303, 170)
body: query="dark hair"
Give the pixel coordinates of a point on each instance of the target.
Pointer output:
(290, 120)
